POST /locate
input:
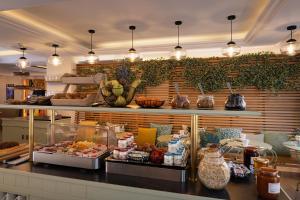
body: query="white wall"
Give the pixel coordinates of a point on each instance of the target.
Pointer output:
(7, 79)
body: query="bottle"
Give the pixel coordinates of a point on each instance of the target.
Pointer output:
(268, 183)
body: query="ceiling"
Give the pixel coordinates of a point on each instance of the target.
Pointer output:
(38, 23)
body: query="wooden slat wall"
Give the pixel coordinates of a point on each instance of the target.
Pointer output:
(280, 111)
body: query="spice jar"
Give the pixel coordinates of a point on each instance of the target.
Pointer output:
(180, 101)
(268, 183)
(249, 154)
(213, 171)
(206, 102)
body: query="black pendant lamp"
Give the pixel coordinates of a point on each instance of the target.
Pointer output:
(178, 50)
(291, 46)
(91, 55)
(232, 49)
(55, 59)
(132, 54)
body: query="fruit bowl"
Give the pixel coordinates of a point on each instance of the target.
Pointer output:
(118, 93)
(149, 102)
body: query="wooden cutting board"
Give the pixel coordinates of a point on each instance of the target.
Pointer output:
(13, 152)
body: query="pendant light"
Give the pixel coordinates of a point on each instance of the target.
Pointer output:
(55, 59)
(23, 62)
(231, 49)
(291, 46)
(132, 55)
(91, 55)
(178, 50)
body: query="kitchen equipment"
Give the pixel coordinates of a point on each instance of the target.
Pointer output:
(234, 101)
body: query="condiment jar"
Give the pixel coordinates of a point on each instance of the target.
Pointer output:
(122, 143)
(168, 159)
(249, 154)
(268, 183)
(128, 140)
(260, 162)
(204, 101)
(172, 146)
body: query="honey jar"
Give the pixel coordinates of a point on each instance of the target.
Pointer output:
(268, 183)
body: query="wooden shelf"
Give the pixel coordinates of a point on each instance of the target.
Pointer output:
(136, 109)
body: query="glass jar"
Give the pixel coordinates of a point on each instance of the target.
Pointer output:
(122, 143)
(213, 171)
(206, 102)
(180, 101)
(260, 162)
(168, 159)
(235, 102)
(172, 146)
(249, 154)
(268, 183)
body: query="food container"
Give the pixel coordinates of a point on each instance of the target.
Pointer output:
(86, 101)
(139, 156)
(249, 154)
(116, 153)
(149, 102)
(205, 102)
(260, 162)
(172, 146)
(178, 158)
(118, 93)
(122, 143)
(235, 102)
(168, 159)
(213, 171)
(123, 153)
(268, 183)
(180, 101)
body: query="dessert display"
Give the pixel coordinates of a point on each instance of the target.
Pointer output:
(118, 93)
(74, 146)
(149, 102)
(73, 99)
(213, 171)
(81, 149)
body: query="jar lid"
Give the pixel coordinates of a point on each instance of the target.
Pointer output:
(168, 154)
(123, 150)
(172, 142)
(122, 139)
(268, 171)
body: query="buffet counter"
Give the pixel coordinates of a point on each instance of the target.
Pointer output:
(49, 182)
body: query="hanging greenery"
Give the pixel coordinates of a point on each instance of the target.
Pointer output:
(264, 71)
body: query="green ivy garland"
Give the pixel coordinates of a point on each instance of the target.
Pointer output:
(264, 71)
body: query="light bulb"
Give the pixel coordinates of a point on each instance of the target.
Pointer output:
(55, 60)
(231, 50)
(91, 58)
(132, 55)
(291, 49)
(23, 63)
(179, 52)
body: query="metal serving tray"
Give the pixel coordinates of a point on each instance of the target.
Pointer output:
(146, 170)
(69, 160)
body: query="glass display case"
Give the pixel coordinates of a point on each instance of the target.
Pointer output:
(76, 145)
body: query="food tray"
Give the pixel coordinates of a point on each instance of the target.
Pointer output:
(147, 103)
(75, 102)
(69, 160)
(77, 80)
(146, 169)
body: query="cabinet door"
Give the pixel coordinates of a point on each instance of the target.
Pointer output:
(16, 134)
